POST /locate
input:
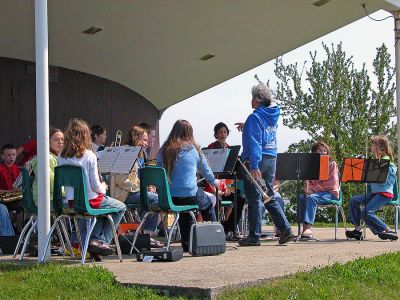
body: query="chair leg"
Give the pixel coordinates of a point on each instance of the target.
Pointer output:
(60, 237)
(114, 230)
(343, 217)
(87, 240)
(172, 230)
(26, 242)
(65, 232)
(364, 228)
(78, 235)
(137, 233)
(396, 218)
(48, 238)
(22, 235)
(193, 216)
(336, 220)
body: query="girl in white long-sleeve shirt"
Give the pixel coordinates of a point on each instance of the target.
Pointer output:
(77, 145)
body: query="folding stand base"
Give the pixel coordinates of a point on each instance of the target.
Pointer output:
(298, 239)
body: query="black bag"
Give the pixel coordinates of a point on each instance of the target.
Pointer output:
(8, 244)
(207, 239)
(161, 254)
(142, 242)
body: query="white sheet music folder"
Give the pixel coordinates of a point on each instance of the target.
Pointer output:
(216, 158)
(118, 159)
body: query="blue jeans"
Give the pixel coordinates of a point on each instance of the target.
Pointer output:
(84, 227)
(308, 205)
(6, 228)
(102, 231)
(267, 168)
(278, 198)
(374, 202)
(150, 225)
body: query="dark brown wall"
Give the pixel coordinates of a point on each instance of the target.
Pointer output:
(72, 94)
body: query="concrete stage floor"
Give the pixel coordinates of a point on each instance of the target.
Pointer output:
(206, 277)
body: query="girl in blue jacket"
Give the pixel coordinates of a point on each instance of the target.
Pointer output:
(182, 158)
(381, 194)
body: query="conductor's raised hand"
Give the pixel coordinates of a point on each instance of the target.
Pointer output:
(239, 126)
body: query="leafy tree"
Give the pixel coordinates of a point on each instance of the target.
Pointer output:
(337, 103)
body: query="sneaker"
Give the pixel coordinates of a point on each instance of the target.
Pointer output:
(285, 236)
(155, 244)
(354, 234)
(248, 242)
(388, 235)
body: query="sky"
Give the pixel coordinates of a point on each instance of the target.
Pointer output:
(230, 101)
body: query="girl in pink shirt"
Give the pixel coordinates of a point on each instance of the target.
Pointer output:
(318, 192)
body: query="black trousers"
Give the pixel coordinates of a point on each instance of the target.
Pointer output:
(185, 220)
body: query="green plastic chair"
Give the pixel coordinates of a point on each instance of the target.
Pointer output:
(73, 176)
(337, 204)
(156, 176)
(31, 208)
(396, 204)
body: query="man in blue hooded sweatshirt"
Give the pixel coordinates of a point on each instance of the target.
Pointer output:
(260, 149)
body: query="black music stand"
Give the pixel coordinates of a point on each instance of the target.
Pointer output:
(372, 171)
(228, 172)
(298, 166)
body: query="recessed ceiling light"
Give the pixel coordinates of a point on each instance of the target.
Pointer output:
(320, 2)
(207, 56)
(92, 30)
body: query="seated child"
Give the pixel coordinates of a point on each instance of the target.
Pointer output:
(381, 194)
(318, 192)
(9, 171)
(181, 157)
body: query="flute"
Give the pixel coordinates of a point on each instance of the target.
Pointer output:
(259, 185)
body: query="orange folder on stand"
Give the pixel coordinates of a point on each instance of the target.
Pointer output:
(353, 169)
(324, 167)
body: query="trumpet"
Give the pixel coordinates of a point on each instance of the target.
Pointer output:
(118, 139)
(259, 184)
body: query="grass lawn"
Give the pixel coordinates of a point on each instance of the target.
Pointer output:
(56, 281)
(373, 278)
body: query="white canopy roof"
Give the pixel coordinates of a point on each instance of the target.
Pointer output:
(154, 47)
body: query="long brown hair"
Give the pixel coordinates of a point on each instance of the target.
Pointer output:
(180, 135)
(135, 132)
(76, 139)
(382, 145)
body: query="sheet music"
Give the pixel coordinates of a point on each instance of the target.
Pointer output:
(216, 158)
(118, 159)
(107, 159)
(126, 158)
(99, 154)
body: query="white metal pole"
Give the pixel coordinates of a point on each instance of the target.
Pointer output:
(42, 122)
